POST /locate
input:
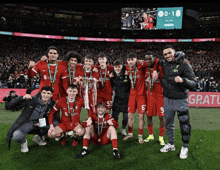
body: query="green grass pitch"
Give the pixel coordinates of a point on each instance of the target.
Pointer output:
(204, 148)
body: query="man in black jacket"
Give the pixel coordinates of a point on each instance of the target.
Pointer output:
(121, 86)
(178, 77)
(33, 119)
(10, 96)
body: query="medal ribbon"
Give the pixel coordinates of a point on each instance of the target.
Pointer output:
(52, 79)
(71, 76)
(68, 107)
(94, 95)
(133, 80)
(151, 83)
(100, 129)
(103, 80)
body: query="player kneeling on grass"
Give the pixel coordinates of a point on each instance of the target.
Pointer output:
(33, 119)
(70, 119)
(101, 129)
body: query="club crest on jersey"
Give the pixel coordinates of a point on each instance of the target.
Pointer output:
(176, 69)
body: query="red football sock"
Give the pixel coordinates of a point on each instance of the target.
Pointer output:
(114, 143)
(162, 129)
(150, 130)
(141, 131)
(130, 129)
(85, 142)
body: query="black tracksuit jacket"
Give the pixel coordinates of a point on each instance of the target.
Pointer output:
(180, 67)
(121, 86)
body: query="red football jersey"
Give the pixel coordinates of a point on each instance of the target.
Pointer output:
(157, 87)
(80, 73)
(139, 88)
(105, 124)
(62, 103)
(149, 22)
(107, 90)
(42, 68)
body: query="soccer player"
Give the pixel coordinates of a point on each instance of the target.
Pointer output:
(52, 72)
(105, 88)
(148, 21)
(73, 59)
(178, 77)
(70, 119)
(137, 98)
(87, 80)
(72, 63)
(154, 98)
(101, 129)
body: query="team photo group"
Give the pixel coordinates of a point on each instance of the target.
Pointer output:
(149, 87)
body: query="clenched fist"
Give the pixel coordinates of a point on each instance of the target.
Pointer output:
(31, 64)
(178, 79)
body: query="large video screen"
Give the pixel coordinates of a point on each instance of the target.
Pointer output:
(151, 18)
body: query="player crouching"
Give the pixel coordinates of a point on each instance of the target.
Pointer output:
(101, 129)
(70, 119)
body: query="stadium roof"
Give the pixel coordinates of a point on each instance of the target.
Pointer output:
(110, 7)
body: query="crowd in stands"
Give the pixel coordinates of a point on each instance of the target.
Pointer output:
(16, 52)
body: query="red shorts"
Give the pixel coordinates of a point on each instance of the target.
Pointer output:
(67, 126)
(155, 106)
(137, 102)
(104, 139)
(107, 98)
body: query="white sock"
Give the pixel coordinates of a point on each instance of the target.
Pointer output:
(85, 147)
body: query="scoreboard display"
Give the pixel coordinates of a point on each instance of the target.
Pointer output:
(157, 18)
(169, 18)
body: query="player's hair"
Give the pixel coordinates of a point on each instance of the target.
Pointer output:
(117, 63)
(132, 55)
(102, 55)
(168, 46)
(72, 86)
(12, 91)
(101, 104)
(47, 88)
(150, 53)
(54, 48)
(73, 54)
(89, 56)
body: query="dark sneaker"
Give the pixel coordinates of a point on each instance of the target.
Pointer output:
(83, 153)
(116, 154)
